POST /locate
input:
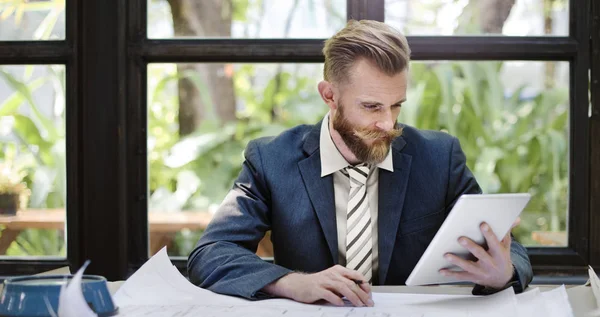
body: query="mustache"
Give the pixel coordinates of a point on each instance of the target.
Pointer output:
(365, 133)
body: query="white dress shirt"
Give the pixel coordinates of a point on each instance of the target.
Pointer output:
(332, 162)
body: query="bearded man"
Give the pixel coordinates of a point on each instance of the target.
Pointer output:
(352, 201)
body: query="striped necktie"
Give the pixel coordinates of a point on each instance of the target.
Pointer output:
(358, 223)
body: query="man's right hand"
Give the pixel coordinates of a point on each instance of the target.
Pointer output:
(330, 285)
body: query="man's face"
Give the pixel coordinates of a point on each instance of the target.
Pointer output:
(368, 106)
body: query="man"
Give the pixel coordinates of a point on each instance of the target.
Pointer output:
(351, 201)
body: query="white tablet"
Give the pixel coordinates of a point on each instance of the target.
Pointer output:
(498, 210)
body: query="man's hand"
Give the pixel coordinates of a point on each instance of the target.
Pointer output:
(493, 268)
(330, 285)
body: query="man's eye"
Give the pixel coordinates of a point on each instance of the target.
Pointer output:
(370, 106)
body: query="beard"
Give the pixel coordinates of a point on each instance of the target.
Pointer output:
(355, 138)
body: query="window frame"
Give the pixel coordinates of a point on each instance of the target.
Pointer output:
(106, 110)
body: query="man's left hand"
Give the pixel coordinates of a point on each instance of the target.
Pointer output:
(493, 267)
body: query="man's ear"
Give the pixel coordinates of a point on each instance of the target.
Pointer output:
(326, 90)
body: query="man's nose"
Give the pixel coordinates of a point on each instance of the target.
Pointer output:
(386, 122)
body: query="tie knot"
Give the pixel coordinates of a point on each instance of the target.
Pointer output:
(358, 174)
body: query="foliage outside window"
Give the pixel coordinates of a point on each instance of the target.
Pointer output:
(32, 139)
(32, 124)
(514, 141)
(201, 116)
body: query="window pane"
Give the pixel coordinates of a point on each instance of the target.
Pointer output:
(32, 161)
(198, 128)
(511, 119)
(23, 20)
(245, 18)
(474, 17)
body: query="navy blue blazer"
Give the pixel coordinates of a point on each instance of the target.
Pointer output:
(280, 188)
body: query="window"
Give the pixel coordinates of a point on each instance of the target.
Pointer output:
(32, 161)
(245, 19)
(506, 98)
(511, 118)
(136, 151)
(512, 18)
(196, 141)
(32, 20)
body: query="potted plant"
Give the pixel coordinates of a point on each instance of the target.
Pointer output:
(14, 193)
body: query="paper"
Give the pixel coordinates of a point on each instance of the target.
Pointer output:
(531, 303)
(158, 282)
(500, 304)
(158, 289)
(424, 306)
(71, 302)
(594, 283)
(557, 302)
(553, 303)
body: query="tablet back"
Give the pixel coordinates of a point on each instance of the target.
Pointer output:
(498, 210)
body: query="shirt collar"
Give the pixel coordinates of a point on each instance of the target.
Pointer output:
(333, 161)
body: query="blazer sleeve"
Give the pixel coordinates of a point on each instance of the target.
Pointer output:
(224, 259)
(462, 181)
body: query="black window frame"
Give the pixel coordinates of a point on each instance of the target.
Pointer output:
(106, 53)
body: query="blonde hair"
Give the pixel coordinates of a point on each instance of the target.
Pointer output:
(376, 41)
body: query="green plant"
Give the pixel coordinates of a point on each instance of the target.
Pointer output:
(37, 139)
(11, 179)
(196, 172)
(13, 190)
(512, 143)
(37, 142)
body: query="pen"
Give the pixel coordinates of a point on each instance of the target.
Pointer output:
(358, 282)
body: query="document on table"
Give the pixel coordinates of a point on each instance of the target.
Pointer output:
(158, 289)
(158, 282)
(595, 285)
(553, 303)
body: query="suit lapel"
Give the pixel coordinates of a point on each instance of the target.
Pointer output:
(320, 190)
(392, 189)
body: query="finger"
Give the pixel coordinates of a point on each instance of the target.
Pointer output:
(478, 251)
(461, 276)
(331, 297)
(353, 286)
(493, 243)
(366, 287)
(343, 289)
(506, 241)
(467, 266)
(351, 274)
(350, 277)
(365, 296)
